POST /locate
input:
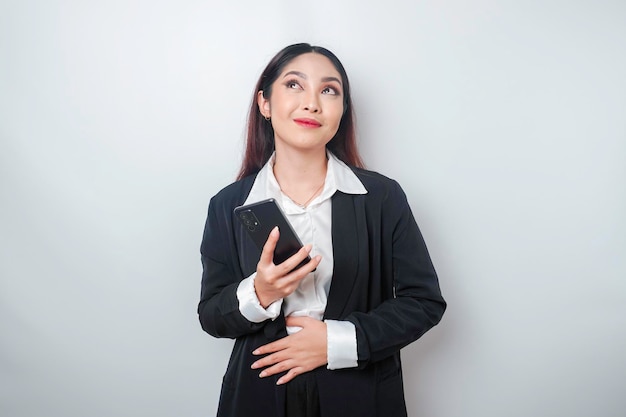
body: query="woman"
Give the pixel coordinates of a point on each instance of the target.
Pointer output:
(323, 339)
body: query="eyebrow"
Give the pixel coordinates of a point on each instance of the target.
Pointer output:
(304, 76)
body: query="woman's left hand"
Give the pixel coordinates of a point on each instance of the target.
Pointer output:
(297, 353)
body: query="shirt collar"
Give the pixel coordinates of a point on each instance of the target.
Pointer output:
(339, 177)
(346, 180)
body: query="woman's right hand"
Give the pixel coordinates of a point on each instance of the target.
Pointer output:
(273, 282)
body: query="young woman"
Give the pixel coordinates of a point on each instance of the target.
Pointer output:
(323, 339)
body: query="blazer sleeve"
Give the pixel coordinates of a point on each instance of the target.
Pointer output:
(218, 309)
(416, 303)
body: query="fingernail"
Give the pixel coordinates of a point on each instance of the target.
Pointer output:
(308, 248)
(280, 382)
(254, 366)
(256, 352)
(262, 374)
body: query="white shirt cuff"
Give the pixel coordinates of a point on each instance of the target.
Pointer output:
(342, 351)
(249, 304)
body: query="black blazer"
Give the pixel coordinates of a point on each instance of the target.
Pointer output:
(383, 282)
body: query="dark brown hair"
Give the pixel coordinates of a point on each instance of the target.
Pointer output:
(260, 134)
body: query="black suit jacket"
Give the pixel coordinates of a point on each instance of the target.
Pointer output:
(383, 282)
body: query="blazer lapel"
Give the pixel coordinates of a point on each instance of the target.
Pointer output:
(348, 228)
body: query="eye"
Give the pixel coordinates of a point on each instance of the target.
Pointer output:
(330, 91)
(293, 84)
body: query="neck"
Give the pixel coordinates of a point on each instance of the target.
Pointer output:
(300, 175)
(298, 167)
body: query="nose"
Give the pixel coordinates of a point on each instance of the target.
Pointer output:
(311, 103)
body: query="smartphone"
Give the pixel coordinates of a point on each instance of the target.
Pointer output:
(260, 218)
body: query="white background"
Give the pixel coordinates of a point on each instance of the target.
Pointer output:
(504, 121)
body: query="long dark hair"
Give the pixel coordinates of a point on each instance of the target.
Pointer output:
(260, 134)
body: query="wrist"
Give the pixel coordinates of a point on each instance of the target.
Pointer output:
(264, 300)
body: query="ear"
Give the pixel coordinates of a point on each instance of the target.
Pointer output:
(264, 104)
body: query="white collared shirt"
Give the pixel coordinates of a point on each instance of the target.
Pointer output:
(313, 224)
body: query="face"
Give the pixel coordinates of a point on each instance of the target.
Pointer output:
(306, 103)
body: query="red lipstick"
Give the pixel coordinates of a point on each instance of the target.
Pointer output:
(310, 123)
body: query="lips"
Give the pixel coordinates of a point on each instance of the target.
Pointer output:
(309, 123)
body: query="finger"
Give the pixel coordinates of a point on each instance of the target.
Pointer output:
(298, 321)
(294, 260)
(298, 274)
(277, 368)
(276, 346)
(293, 372)
(267, 254)
(270, 360)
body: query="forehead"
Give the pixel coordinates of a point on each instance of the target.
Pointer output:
(312, 65)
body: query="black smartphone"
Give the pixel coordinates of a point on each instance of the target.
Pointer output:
(260, 218)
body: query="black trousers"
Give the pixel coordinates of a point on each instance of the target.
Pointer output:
(303, 399)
